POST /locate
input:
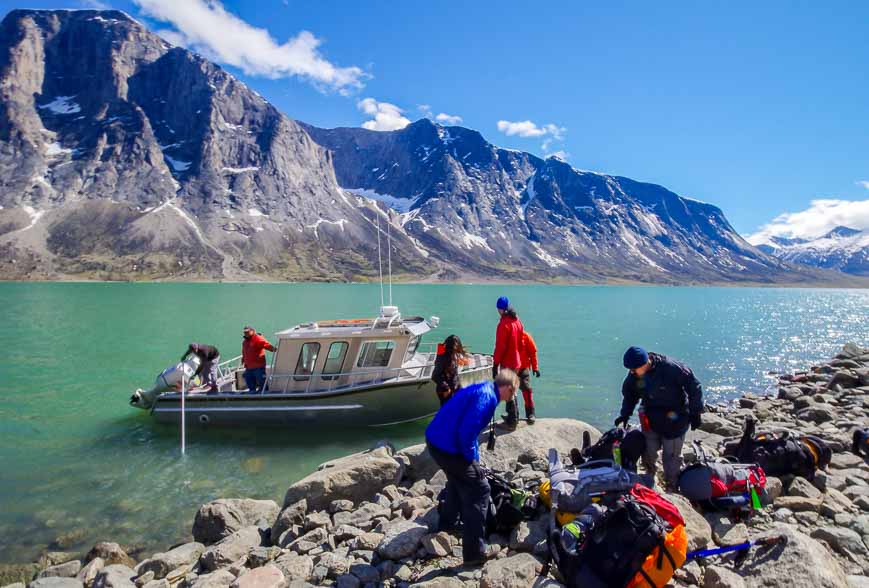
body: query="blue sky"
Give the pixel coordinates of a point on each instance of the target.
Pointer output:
(759, 108)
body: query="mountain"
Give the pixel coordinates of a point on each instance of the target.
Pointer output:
(843, 249)
(122, 157)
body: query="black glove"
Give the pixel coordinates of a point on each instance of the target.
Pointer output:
(495, 370)
(696, 421)
(623, 421)
(537, 373)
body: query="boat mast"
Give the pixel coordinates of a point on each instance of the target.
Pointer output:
(379, 258)
(389, 256)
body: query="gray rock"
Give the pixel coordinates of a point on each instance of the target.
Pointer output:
(366, 541)
(437, 544)
(294, 514)
(528, 534)
(843, 540)
(420, 465)
(560, 434)
(717, 425)
(798, 503)
(719, 577)
(772, 490)
(310, 540)
(340, 506)
(726, 532)
(89, 572)
(516, 571)
(115, 576)
(318, 519)
(268, 576)
(143, 579)
(696, 527)
(55, 582)
(260, 556)
(218, 579)
(401, 539)
(366, 573)
(163, 563)
(356, 477)
(336, 564)
(221, 518)
(858, 582)
(362, 516)
(111, 553)
(295, 566)
(817, 414)
(65, 570)
(344, 532)
(230, 549)
(347, 581)
(803, 488)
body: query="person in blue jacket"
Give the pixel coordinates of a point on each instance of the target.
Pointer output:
(672, 400)
(451, 439)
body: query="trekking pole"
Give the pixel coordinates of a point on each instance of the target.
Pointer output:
(764, 541)
(490, 444)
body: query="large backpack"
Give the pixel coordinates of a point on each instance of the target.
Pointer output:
(509, 504)
(718, 484)
(631, 545)
(632, 443)
(780, 453)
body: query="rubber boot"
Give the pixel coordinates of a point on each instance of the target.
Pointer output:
(529, 415)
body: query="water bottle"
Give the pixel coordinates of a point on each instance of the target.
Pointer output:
(617, 453)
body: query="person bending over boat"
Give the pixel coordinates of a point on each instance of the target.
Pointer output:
(445, 374)
(529, 365)
(253, 358)
(508, 351)
(672, 399)
(452, 442)
(209, 357)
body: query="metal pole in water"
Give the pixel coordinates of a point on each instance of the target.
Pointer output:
(389, 257)
(183, 419)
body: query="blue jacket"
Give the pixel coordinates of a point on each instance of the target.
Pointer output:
(460, 421)
(670, 393)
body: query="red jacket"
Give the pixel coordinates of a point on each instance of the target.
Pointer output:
(529, 352)
(508, 343)
(253, 351)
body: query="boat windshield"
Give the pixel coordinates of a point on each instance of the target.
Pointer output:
(375, 354)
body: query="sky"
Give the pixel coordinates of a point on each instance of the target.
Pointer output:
(758, 108)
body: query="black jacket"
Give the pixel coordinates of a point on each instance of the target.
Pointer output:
(205, 353)
(670, 394)
(445, 376)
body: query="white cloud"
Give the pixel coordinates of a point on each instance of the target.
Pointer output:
(448, 119)
(864, 183)
(386, 116)
(95, 5)
(527, 128)
(818, 219)
(425, 110)
(206, 27)
(560, 155)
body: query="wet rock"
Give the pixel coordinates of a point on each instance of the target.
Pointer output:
(401, 539)
(163, 563)
(218, 579)
(111, 553)
(268, 576)
(357, 477)
(719, 577)
(55, 582)
(221, 518)
(294, 514)
(697, 528)
(115, 576)
(230, 549)
(64, 570)
(516, 571)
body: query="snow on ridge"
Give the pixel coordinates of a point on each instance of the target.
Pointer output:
(340, 222)
(34, 215)
(532, 194)
(469, 241)
(240, 170)
(177, 165)
(547, 257)
(62, 105)
(55, 149)
(397, 204)
(255, 212)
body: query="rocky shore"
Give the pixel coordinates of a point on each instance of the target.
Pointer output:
(370, 519)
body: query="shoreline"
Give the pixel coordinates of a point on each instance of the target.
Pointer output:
(370, 517)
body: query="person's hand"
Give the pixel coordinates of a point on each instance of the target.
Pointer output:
(621, 421)
(696, 421)
(536, 373)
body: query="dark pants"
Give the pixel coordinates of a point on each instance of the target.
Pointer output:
(525, 386)
(467, 498)
(255, 378)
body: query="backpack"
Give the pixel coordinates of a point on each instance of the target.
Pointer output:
(719, 484)
(631, 545)
(632, 444)
(781, 453)
(508, 506)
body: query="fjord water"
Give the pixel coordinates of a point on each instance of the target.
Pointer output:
(78, 465)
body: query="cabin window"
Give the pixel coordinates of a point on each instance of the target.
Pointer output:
(335, 359)
(307, 360)
(375, 354)
(412, 346)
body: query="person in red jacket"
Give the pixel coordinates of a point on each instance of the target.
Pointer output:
(508, 351)
(253, 357)
(529, 364)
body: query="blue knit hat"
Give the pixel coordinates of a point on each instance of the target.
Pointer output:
(503, 303)
(635, 357)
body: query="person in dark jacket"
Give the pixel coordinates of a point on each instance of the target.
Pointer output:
(209, 357)
(672, 400)
(451, 439)
(445, 373)
(860, 442)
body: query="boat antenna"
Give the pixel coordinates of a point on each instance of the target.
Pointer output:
(389, 256)
(379, 259)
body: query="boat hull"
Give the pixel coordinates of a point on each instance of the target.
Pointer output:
(378, 405)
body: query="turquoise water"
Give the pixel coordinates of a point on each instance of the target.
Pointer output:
(78, 465)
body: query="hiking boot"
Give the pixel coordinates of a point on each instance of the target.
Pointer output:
(576, 457)
(489, 551)
(507, 425)
(529, 416)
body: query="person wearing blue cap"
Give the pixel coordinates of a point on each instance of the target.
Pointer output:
(672, 400)
(508, 352)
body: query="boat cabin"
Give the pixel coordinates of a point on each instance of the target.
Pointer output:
(335, 354)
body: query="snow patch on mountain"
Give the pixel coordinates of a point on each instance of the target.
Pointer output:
(62, 105)
(397, 204)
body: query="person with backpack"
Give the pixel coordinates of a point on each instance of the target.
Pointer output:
(672, 400)
(209, 357)
(445, 374)
(451, 439)
(529, 365)
(508, 351)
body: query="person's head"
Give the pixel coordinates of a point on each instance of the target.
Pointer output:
(502, 305)
(248, 332)
(453, 346)
(636, 360)
(506, 382)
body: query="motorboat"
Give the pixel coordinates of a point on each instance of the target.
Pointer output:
(352, 372)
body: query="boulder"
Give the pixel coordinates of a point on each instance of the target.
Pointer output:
(295, 567)
(798, 503)
(418, 462)
(115, 576)
(804, 488)
(534, 441)
(698, 529)
(719, 577)
(772, 490)
(89, 572)
(294, 514)
(111, 553)
(163, 563)
(516, 571)
(819, 413)
(55, 582)
(801, 562)
(356, 477)
(401, 539)
(437, 544)
(64, 570)
(223, 517)
(712, 423)
(231, 548)
(268, 576)
(845, 541)
(218, 579)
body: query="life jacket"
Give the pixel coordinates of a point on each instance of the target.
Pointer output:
(783, 453)
(632, 445)
(639, 542)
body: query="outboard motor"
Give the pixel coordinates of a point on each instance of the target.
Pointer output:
(168, 380)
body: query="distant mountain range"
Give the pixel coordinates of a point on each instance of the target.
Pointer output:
(122, 157)
(843, 249)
